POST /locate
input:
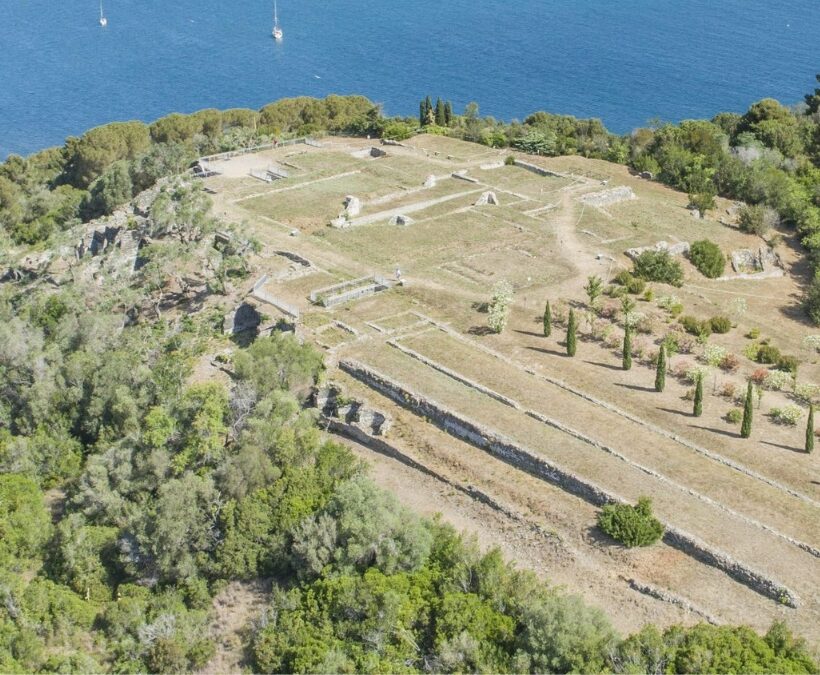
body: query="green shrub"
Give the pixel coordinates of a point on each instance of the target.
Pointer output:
(708, 258)
(631, 525)
(509, 160)
(636, 286)
(788, 415)
(734, 416)
(768, 354)
(720, 324)
(787, 363)
(757, 219)
(659, 266)
(753, 333)
(623, 277)
(695, 326)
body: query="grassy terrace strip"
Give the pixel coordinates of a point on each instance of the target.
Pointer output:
(627, 415)
(527, 460)
(601, 446)
(391, 450)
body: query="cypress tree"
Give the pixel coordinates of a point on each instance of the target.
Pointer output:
(698, 411)
(422, 114)
(441, 119)
(810, 430)
(448, 113)
(627, 353)
(428, 112)
(571, 328)
(746, 424)
(660, 370)
(547, 320)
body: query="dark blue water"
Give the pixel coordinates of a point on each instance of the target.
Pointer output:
(625, 61)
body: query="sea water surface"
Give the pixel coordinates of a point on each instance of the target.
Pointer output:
(624, 61)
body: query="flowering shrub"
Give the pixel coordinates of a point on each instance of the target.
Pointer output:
(713, 355)
(730, 363)
(788, 415)
(681, 368)
(695, 372)
(806, 391)
(812, 342)
(759, 376)
(778, 380)
(728, 389)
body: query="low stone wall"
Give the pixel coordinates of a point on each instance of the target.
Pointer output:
(330, 296)
(527, 460)
(534, 168)
(378, 445)
(259, 294)
(609, 197)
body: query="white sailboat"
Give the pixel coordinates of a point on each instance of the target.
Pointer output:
(103, 20)
(277, 30)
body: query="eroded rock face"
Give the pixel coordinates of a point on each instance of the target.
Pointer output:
(244, 317)
(679, 248)
(747, 261)
(331, 403)
(401, 220)
(487, 198)
(353, 206)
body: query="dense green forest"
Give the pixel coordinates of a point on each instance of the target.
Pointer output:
(132, 492)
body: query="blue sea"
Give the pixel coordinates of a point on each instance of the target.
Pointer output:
(623, 61)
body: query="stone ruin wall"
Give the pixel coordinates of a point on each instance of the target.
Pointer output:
(526, 460)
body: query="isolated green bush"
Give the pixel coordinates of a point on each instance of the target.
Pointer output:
(720, 324)
(631, 525)
(695, 326)
(768, 354)
(708, 258)
(658, 266)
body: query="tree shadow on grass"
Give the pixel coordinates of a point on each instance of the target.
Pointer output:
(722, 432)
(481, 330)
(543, 350)
(600, 364)
(633, 387)
(529, 332)
(596, 536)
(684, 413)
(800, 451)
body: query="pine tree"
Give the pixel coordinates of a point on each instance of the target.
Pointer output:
(698, 410)
(448, 113)
(660, 370)
(547, 320)
(441, 119)
(746, 424)
(810, 430)
(627, 353)
(571, 329)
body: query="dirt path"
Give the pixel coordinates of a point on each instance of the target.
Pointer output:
(233, 609)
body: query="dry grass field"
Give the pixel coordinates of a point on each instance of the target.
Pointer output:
(753, 501)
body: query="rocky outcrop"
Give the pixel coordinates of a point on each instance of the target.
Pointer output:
(680, 248)
(400, 219)
(746, 261)
(609, 197)
(334, 405)
(487, 198)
